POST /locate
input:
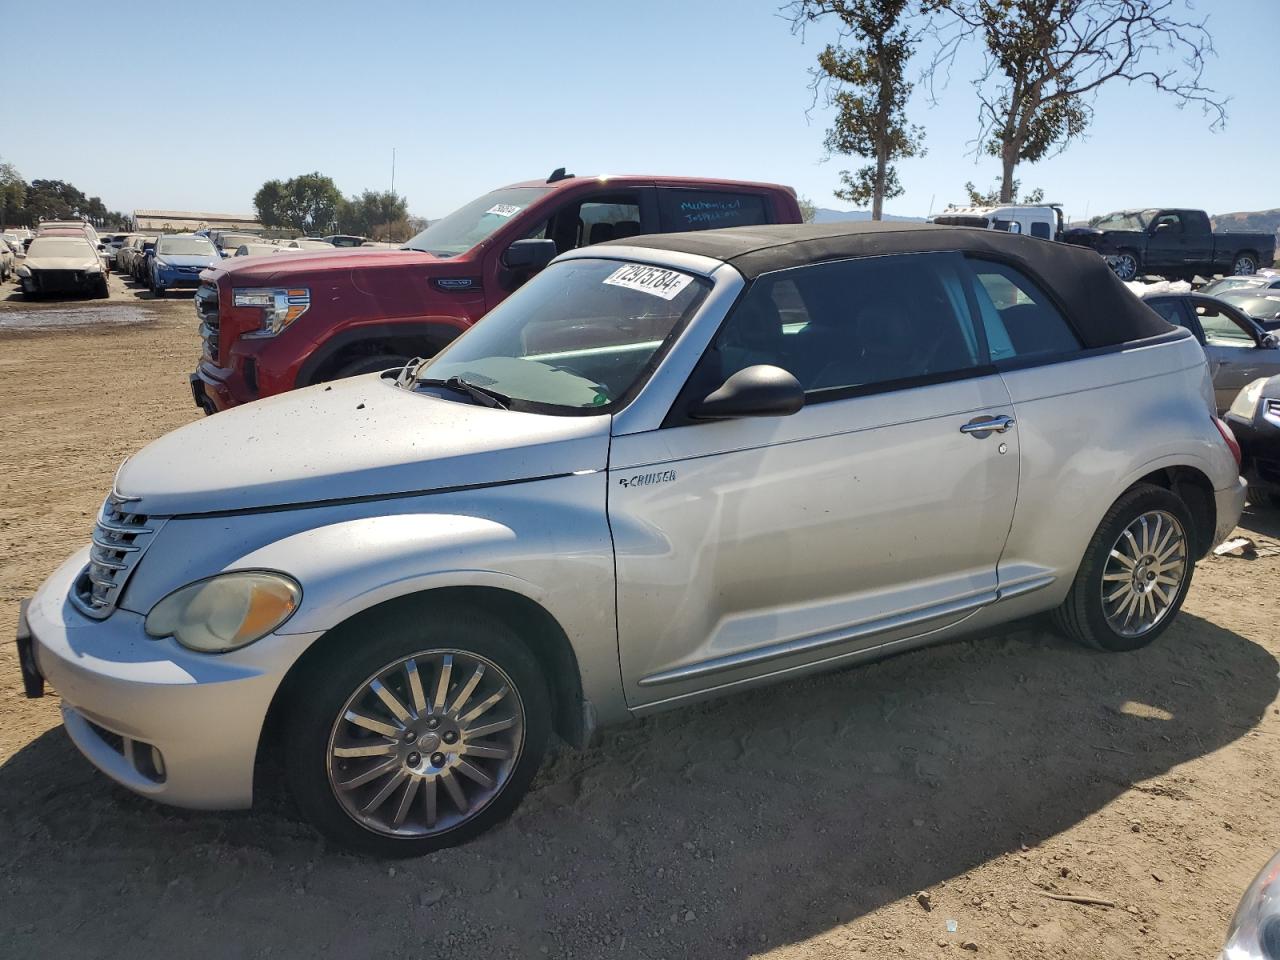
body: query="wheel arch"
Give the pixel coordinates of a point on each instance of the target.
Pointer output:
(1193, 487)
(414, 338)
(572, 716)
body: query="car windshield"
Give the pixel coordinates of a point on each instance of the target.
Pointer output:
(60, 247)
(235, 239)
(1236, 283)
(185, 246)
(469, 224)
(1126, 220)
(581, 336)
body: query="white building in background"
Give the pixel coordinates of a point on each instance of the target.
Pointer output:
(187, 221)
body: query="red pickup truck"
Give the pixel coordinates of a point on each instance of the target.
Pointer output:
(270, 324)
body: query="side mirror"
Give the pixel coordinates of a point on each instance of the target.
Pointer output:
(102, 247)
(759, 391)
(529, 254)
(1270, 341)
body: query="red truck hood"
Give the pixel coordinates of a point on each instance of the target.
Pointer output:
(254, 271)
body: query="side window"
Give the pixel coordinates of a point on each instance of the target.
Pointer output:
(1219, 327)
(594, 221)
(853, 323)
(709, 209)
(1171, 310)
(1019, 318)
(1041, 229)
(1167, 223)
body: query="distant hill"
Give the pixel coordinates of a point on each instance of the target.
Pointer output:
(827, 215)
(1261, 221)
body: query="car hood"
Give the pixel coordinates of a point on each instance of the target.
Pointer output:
(61, 263)
(260, 269)
(362, 437)
(189, 259)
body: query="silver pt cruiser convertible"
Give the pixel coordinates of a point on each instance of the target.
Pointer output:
(665, 469)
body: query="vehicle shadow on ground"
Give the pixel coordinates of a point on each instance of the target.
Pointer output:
(716, 831)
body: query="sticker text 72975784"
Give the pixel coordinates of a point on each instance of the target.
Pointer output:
(656, 281)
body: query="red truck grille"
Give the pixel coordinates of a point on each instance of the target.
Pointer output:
(207, 311)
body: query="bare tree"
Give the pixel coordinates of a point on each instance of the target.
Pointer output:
(1047, 59)
(863, 77)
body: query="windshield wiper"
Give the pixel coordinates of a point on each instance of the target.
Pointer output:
(481, 395)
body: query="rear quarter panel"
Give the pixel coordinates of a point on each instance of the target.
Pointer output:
(1087, 430)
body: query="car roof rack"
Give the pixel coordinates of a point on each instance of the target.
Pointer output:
(558, 174)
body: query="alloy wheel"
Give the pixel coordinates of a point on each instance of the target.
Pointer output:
(1244, 266)
(426, 743)
(1144, 573)
(1125, 266)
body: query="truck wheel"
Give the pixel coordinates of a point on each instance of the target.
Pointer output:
(1125, 264)
(1245, 265)
(417, 735)
(374, 364)
(1134, 574)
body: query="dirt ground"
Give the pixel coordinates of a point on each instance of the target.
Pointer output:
(800, 821)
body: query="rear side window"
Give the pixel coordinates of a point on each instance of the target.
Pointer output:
(852, 324)
(709, 209)
(1020, 320)
(1041, 229)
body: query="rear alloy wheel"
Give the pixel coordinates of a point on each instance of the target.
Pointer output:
(432, 746)
(1244, 266)
(1125, 265)
(1134, 575)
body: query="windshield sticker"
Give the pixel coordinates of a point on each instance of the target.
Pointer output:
(666, 284)
(503, 209)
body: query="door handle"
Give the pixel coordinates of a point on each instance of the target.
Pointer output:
(984, 426)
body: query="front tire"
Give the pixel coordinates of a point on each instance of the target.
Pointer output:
(419, 734)
(374, 364)
(1126, 265)
(1134, 575)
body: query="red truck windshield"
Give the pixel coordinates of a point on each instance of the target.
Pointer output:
(473, 222)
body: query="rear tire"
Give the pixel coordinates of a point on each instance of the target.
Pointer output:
(1263, 498)
(335, 684)
(374, 364)
(1115, 603)
(1245, 265)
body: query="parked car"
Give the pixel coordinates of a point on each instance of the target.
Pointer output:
(58, 226)
(113, 245)
(140, 263)
(124, 259)
(346, 240)
(1239, 350)
(1264, 279)
(666, 468)
(227, 242)
(1262, 306)
(1043, 220)
(260, 342)
(1254, 417)
(257, 249)
(1254, 933)
(63, 264)
(1172, 243)
(306, 243)
(8, 260)
(177, 261)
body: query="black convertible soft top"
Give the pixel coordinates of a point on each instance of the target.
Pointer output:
(1097, 304)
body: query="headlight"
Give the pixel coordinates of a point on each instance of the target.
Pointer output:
(225, 612)
(1245, 404)
(280, 307)
(1254, 933)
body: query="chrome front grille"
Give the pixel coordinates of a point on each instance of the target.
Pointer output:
(119, 540)
(207, 310)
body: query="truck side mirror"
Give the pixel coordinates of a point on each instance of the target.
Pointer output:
(529, 255)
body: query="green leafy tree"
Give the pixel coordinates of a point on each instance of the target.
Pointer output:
(1047, 59)
(371, 210)
(307, 203)
(991, 197)
(864, 76)
(807, 209)
(13, 196)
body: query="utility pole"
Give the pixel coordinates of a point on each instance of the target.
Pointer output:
(393, 169)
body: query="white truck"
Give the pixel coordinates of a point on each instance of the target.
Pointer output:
(1042, 220)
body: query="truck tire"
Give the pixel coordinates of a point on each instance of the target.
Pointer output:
(418, 734)
(1134, 574)
(1245, 264)
(1126, 264)
(373, 364)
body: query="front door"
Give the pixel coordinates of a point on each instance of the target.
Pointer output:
(877, 513)
(1166, 244)
(1235, 357)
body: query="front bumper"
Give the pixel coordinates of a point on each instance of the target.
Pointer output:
(176, 279)
(124, 693)
(1260, 443)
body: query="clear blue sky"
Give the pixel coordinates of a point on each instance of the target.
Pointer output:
(193, 106)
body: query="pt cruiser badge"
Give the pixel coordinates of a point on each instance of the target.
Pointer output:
(644, 479)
